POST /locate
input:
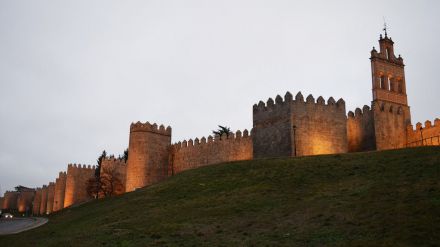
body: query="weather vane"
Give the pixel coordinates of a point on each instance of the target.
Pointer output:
(385, 26)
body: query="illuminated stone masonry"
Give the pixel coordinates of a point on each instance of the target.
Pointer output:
(286, 126)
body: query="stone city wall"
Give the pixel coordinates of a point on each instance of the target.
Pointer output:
(206, 151)
(296, 127)
(116, 170)
(10, 200)
(321, 128)
(36, 202)
(148, 155)
(76, 183)
(390, 125)
(60, 190)
(272, 128)
(43, 203)
(429, 132)
(24, 201)
(360, 130)
(50, 197)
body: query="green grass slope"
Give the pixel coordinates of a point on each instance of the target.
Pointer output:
(389, 198)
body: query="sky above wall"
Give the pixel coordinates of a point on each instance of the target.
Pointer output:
(75, 74)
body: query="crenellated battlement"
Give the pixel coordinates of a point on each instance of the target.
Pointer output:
(423, 135)
(153, 128)
(80, 166)
(299, 100)
(148, 154)
(275, 121)
(359, 113)
(76, 183)
(119, 161)
(238, 136)
(11, 192)
(212, 150)
(428, 124)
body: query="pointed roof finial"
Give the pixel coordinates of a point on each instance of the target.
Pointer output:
(385, 27)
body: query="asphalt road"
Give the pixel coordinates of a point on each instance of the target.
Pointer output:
(17, 225)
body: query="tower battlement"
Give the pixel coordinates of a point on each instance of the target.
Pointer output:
(359, 113)
(153, 128)
(148, 154)
(271, 105)
(292, 127)
(75, 166)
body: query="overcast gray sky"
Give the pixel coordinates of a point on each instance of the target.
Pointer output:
(75, 74)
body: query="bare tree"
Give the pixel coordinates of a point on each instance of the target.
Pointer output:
(93, 186)
(110, 182)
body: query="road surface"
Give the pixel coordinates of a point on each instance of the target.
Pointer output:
(16, 225)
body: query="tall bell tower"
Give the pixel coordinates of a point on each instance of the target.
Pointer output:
(390, 103)
(388, 73)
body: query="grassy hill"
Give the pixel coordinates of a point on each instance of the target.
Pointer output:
(389, 198)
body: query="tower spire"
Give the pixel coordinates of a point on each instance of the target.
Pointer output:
(385, 27)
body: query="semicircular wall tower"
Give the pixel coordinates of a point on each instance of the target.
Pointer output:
(148, 155)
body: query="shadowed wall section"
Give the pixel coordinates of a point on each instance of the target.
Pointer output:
(360, 130)
(10, 200)
(117, 168)
(37, 202)
(390, 125)
(24, 201)
(272, 128)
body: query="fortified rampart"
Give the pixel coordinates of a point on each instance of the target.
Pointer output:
(360, 130)
(43, 203)
(114, 171)
(76, 183)
(148, 155)
(297, 127)
(36, 202)
(206, 151)
(24, 201)
(50, 197)
(283, 127)
(424, 135)
(60, 189)
(390, 125)
(10, 200)
(272, 128)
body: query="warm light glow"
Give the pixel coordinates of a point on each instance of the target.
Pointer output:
(320, 146)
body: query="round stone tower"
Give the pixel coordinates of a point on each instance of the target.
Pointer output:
(148, 155)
